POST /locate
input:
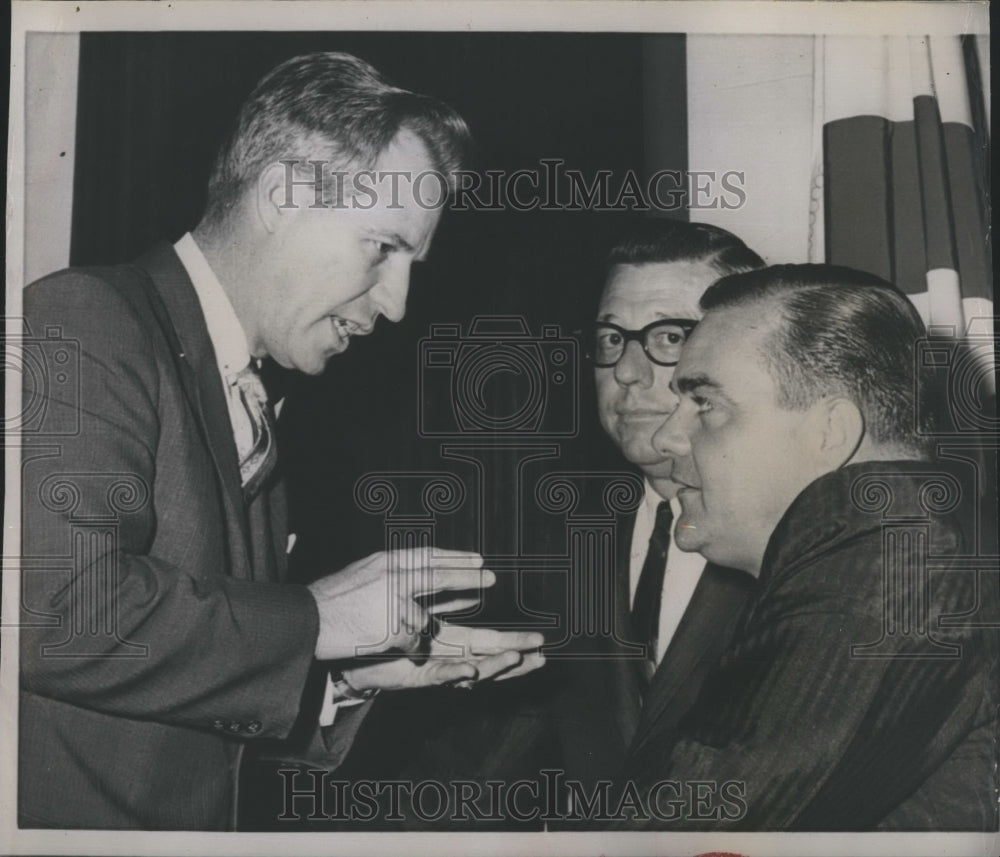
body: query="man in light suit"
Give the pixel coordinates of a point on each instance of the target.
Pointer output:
(157, 635)
(859, 691)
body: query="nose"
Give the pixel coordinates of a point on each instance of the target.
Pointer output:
(673, 438)
(634, 367)
(389, 294)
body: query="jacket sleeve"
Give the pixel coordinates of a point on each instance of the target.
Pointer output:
(107, 624)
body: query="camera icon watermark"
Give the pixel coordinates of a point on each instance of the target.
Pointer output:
(498, 379)
(49, 367)
(963, 373)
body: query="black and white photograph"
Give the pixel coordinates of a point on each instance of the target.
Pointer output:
(448, 428)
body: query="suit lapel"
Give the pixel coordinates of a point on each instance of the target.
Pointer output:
(200, 376)
(702, 636)
(624, 666)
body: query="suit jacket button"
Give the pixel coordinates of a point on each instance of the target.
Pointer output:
(235, 726)
(253, 727)
(218, 724)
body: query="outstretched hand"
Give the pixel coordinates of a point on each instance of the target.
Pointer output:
(457, 655)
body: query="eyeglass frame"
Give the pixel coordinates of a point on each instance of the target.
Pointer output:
(685, 324)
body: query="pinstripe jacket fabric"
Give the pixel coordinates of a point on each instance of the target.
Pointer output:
(859, 691)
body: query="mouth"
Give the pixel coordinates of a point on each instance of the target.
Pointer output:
(345, 328)
(642, 414)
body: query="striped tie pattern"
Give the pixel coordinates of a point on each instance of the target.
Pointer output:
(259, 457)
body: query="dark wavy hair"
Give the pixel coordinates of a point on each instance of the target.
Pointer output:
(840, 331)
(662, 240)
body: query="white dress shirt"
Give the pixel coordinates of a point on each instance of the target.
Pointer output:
(683, 569)
(224, 330)
(232, 353)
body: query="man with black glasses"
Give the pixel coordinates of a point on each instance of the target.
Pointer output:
(673, 613)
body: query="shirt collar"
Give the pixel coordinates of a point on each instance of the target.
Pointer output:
(229, 341)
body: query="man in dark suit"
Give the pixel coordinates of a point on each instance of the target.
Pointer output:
(672, 613)
(859, 691)
(157, 635)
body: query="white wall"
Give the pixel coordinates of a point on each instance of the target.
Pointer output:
(51, 72)
(750, 109)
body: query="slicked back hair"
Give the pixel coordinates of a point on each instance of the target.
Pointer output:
(839, 331)
(665, 240)
(332, 107)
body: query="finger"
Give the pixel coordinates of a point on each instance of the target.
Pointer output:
(494, 664)
(424, 581)
(447, 672)
(528, 664)
(522, 641)
(487, 641)
(431, 556)
(464, 558)
(453, 605)
(425, 570)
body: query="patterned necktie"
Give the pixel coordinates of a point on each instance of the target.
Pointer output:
(259, 455)
(649, 591)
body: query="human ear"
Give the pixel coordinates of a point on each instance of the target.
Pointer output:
(276, 195)
(841, 428)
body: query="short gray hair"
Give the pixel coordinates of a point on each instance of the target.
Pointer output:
(334, 107)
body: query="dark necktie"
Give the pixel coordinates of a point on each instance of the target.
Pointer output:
(258, 462)
(648, 592)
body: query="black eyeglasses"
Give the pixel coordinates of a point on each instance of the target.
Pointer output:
(662, 341)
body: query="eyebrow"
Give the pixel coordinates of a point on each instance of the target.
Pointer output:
(407, 247)
(401, 242)
(610, 316)
(690, 383)
(393, 238)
